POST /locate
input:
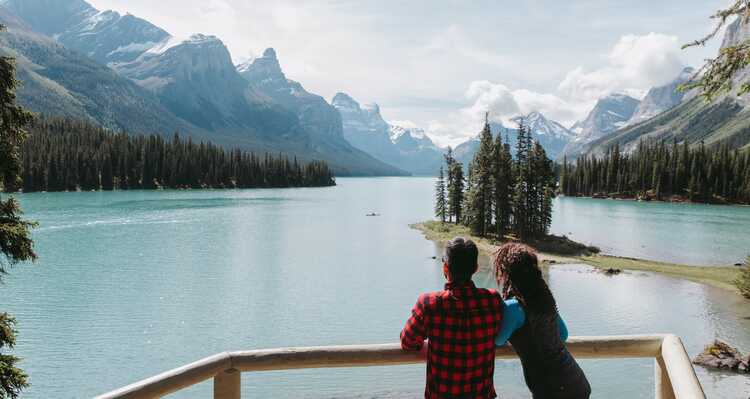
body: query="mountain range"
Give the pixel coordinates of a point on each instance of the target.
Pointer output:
(553, 136)
(687, 117)
(127, 74)
(409, 149)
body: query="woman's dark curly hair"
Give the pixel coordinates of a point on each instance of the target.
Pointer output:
(517, 269)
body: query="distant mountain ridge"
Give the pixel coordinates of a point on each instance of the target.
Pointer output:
(724, 120)
(188, 85)
(553, 136)
(407, 148)
(661, 98)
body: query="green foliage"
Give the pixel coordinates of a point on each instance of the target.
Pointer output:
(12, 379)
(15, 235)
(503, 186)
(479, 197)
(502, 195)
(658, 171)
(456, 183)
(68, 155)
(15, 238)
(715, 77)
(743, 280)
(441, 202)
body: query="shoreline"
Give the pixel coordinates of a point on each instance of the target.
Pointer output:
(716, 276)
(653, 200)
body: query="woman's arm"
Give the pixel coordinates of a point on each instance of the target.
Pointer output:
(513, 319)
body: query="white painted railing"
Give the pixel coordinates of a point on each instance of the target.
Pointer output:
(674, 374)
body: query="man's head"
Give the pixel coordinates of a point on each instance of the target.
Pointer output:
(460, 261)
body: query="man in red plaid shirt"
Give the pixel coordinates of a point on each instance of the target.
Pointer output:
(460, 324)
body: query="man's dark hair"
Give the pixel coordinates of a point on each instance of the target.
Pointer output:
(461, 256)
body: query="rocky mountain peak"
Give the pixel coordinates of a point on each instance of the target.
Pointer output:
(609, 114)
(661, 98)
(264, 68)
(51, 17)
(269, 53)
(540, 126)
(343, 100)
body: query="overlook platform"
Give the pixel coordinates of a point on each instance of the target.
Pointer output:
(674, 373)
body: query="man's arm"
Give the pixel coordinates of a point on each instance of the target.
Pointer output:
(414, 333)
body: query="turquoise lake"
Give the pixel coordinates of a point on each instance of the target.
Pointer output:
(131, 284)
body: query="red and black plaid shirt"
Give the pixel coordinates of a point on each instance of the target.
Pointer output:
(461, 324)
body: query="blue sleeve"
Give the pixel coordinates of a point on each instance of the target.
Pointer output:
(513, 319)
(563, 328)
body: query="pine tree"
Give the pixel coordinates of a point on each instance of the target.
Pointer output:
(480, 194)
(657, 170)
(522, 204)
(441, 202)
(503, 186)
(455, 187)
(15, 238)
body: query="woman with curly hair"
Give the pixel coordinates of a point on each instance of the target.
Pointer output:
(534, 327)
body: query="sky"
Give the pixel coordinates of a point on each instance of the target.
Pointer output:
(441, 64)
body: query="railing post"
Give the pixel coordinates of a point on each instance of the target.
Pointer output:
(662, 383)
(228, 384)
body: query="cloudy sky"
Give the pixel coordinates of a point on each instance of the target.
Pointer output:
(440, 64)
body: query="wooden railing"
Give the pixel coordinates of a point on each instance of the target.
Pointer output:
(674, 374)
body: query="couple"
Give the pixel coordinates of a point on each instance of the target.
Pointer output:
(463, 324)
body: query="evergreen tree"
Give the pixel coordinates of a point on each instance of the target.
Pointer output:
(441, 202)
(522, 193)
(15, 238)
(75, 155)
(479, 197)
(503, 186)
(455, 187)
(663, 172)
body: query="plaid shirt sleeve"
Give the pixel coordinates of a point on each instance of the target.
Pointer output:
(414, 333)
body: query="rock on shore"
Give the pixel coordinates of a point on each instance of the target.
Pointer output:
(722, 356)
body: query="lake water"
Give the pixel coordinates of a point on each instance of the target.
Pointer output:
(130, 284)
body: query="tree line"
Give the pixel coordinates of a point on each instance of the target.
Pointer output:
(500, 194)
(69, 155)
(661, 171)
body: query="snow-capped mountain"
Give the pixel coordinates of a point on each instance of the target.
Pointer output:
(661, 98)
(411, 139)
(723, 120)
(609, 114)
(106, 36)
(191, 82)
(553, 136)
(407, 148)
(541, 126)
(315, 114)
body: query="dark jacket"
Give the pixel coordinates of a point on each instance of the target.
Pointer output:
(549, 369)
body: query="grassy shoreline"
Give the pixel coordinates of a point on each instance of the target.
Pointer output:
(717, 276)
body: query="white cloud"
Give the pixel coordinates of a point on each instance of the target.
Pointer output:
(635, 64)
(490, 97)
(407, 124)
(392, 51)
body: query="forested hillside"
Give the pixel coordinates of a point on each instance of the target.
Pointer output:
(662, 172)
(69, 155)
